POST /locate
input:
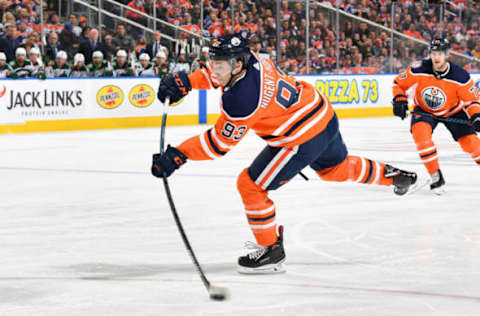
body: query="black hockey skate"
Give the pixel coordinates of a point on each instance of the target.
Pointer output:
(438, 183)
(403, 181)
(264, 260)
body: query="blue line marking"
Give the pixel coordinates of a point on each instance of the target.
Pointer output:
(202, 107)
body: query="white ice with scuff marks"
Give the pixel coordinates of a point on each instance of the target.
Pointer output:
(86, 230)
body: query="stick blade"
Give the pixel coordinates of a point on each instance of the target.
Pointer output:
(218, 293)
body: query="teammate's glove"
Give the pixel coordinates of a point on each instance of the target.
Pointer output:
(176, 86)
(475, 121)
(167, 162)
(400, 106)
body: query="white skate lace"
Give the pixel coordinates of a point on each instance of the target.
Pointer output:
(259, 250)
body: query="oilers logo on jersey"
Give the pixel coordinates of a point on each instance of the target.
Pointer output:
(434, 97)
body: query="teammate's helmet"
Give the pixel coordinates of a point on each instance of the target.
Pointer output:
(20, 51)
(231, 48)
(121, 53)
(97, 54)
(144, 56)
(34, 51)
(62, 55)
(161, 54)
(439, 44)
(78, 58)
(3, 56)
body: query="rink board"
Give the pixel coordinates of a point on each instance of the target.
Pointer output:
(62, 104)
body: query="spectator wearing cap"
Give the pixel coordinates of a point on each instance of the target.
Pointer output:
(141, 46)
(181, 64)
(156, 45)
(123, 40)
(52, 48)
(68, 39)
(8, 43)
(82, 22)
(87, 47)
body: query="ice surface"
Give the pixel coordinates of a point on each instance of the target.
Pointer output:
(86, 230)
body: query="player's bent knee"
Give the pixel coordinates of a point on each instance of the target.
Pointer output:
(250, 192)
(421, 132)
(470, 143)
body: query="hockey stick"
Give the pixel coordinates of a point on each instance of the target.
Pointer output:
(216, 293)
(443, 119)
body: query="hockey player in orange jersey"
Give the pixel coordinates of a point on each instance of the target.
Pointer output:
(443, 90)
(298, 124)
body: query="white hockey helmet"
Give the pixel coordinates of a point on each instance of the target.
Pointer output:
(144, 56)
(97, 54)
(61, 54)
(3, 56)
(121, 53)
(34, 51)
(161, 54)
(20, 51)
(78, 58)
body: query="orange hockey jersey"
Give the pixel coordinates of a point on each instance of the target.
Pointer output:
(442, 95)
(281, 110)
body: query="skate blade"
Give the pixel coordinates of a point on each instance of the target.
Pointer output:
(266, 269)
(439, 191)
(421, 183)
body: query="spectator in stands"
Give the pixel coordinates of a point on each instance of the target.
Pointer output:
(3, 8)
(8, 43)
(89, 46)
(52, 48)
(137, 5)
(156, 45)
(68, 39)
(82, 22)
(141, 46)
(72, 19)
(123, 40)
(30, 43)
(109, 47)
(476, 50)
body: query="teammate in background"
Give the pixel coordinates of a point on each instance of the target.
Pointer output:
(37, 69)
(443, 90)
(79, 70)
(60, 67)
(145, 67)
(298, 124)
(161, 64)
(99, 67)
(121, 67)
(181, 63)
(201, 62)
(5, 68)
(21, 65)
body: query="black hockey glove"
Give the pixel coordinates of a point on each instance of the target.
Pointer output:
(176, 86)
(400, 106)
(475, 122)
(167, 162)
